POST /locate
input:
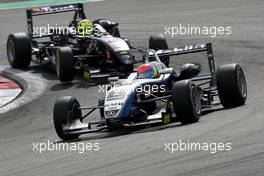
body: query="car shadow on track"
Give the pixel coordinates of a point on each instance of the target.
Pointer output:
(215, 109)
(76, 84)
(47, 73)
(123, 132)
(50, 74)
(135, 130)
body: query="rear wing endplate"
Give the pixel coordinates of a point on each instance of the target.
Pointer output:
(206, 47)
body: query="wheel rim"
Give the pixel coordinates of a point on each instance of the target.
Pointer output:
(242, 84)
(10, 51)
(73, 113)
(195, 98)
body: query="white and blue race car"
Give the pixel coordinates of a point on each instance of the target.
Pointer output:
(170, 97)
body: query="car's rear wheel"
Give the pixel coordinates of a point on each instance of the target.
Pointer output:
(158, 42)
(19, 50)
(231, 85)
(64, 64)
(66, 109)
(186, 101)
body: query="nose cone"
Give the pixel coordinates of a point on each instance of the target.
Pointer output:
(118, 102)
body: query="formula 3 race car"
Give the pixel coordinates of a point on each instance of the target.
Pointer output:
(102, 54)
(162, 100)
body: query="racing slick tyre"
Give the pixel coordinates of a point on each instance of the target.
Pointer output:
(159, 42)
(231, 85)
(66, 109)
(64, 64)
(186, 101)
(19, 50)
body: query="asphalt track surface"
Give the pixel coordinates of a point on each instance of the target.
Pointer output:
(142, 152)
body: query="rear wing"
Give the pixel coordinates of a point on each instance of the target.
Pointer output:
(37, 11)
(207, 47)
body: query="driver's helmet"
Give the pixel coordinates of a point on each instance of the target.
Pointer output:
(147, 71)
(85, 27)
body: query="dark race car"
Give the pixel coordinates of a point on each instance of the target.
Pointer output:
(166, 97)
(102, 53)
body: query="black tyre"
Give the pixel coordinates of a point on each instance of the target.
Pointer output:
(19, 50)
(64, 64)
(159, 42)
(66, 109)
(186, 101)
(231, 85)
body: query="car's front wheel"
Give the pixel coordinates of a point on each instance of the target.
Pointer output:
(186, 101)
(64, 64)
(66, 109)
